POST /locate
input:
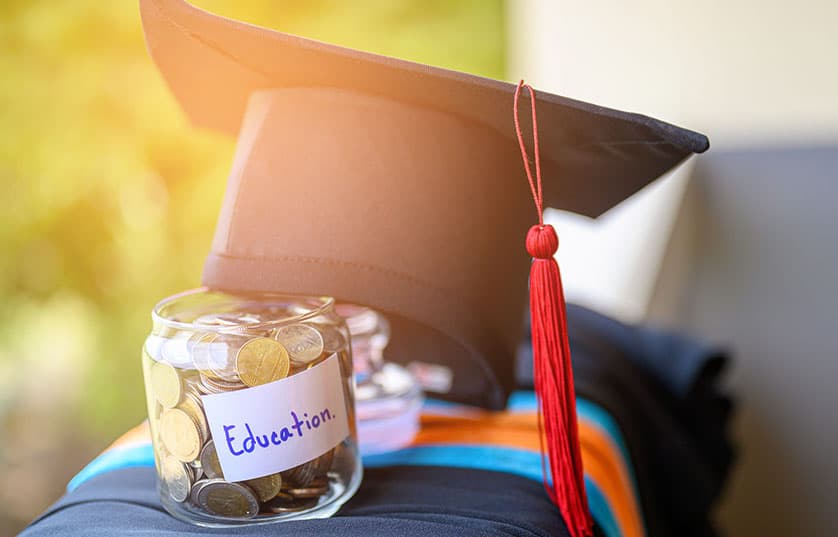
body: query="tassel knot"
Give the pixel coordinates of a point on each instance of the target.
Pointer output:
(542, 241)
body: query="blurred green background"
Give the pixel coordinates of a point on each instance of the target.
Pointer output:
(110, 199)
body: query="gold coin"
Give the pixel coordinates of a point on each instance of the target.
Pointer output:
(266, 487)
(177, 478)
(166, 384)
(304, 343)
(227, 499)
(262, 360)
(209, 461)
(180, 435)
(192, 406)
(283, 497)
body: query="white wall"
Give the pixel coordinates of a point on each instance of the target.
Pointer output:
(741, 71)
(744, 72)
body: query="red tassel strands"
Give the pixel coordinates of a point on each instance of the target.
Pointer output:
(551, 356)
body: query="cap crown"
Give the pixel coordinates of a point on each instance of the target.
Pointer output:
(392, 184)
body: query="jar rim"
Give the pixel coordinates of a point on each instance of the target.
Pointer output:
(319, 306)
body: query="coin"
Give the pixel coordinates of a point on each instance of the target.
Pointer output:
(214, 320)
(333, 340)
(303, 342)
(278, 505)
(196, 490)
(199, 351)
(299, 476)
(211, 354)
(192, 406)
(177, 477)
(180, 434)
(266, 487)
(210, 385)
(324, 462)
(166, 384)
(283, 497)
(222, 356)
(174, 350)
(262, 360)
(239, 318)
(315, 489)
(209, 461)
(225, 499)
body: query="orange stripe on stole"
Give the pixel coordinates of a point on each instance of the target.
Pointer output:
(601, 458)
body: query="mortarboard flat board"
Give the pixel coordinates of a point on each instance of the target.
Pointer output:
(392, 184)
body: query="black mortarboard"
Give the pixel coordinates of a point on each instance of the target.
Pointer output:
(392, 184)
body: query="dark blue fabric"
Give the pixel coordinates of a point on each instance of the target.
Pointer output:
(663, 390)
(401, 500)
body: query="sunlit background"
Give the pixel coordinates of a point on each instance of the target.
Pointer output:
(110, 200)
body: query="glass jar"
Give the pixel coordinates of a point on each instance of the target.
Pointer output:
(251, 407)
(388, 399)
(370, 333)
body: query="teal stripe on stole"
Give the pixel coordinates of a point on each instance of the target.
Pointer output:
(507, 460)
(139, 455)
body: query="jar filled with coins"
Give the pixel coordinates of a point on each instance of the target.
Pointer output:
(251, 407)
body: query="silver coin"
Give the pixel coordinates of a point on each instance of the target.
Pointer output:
(177, 477)
(222, 356)
(196, 489)
(333, 339)
(214, 354)
(231, 500)
(209, 461)
(175, 351)
(303, 342)
(199, 350)
(197, 471)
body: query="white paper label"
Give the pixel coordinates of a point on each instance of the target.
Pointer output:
(274, 427)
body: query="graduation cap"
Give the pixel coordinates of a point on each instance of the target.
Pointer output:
(395, 185)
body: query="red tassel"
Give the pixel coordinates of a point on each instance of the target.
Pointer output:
(551, 358)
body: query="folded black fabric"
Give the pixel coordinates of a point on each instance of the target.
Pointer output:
(400, 500)
(663, 390)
